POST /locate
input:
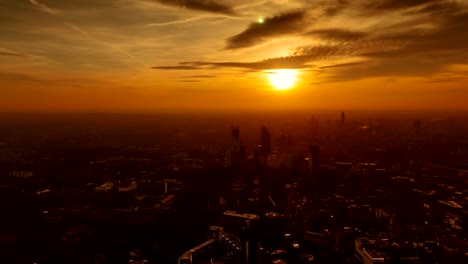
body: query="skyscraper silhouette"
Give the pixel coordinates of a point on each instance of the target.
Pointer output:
(265, 139)
(313, 164)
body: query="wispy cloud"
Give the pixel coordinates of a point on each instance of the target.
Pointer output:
(200, 5)
(43, 7)
(275, 26)
(176, 67)
(337, 34)
(85, 34)
(398, 4)
(12, 76)
(175, 22)
(251, 4)
(11, 54)
(189, 81)
(197, 76)
(290, 62)
(342, 65)
(446, 79)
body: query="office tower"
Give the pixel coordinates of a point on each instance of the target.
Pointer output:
(313, 163)
(265, 139)
(236, 155)
(244, 228)
(286, 141)
(462, 148)
(235, 133)
(313, 130)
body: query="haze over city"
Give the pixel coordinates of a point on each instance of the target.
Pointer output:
(150, 55)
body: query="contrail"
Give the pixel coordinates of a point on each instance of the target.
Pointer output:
(44, 7)
(176, 21)
(84, 33)
(87, 35)
(250, 5)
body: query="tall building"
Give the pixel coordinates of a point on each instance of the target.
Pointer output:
(235, 133)
(342, 118)
(313, 130)
(286, 141)
(462, 148)
(265, 139)
(313, 160)
(236, 154)
(244, 227)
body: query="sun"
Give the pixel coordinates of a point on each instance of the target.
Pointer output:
(282, 79)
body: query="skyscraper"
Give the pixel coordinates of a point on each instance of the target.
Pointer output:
(342, 118)
(235, 133)
(313, 163)
(313, 130)
(265, 139)
(236, 154)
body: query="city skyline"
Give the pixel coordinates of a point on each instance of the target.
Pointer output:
(150, 55)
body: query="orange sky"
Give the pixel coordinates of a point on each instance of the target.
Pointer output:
(147, 55)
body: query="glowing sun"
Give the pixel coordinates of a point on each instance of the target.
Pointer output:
(282, 79)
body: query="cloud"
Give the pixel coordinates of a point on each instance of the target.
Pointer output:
(446, 79)
(439, 8)
(275, 26)
(177, 67)
(289, 62)
(430, 41)
(44, 7)
(189, 81)
(10, 76)
(302, 58)
(200, 5)
(378, 51)
(342, 38)
(398, 4)
(84, 33)
(337, 34)
(328, 51)
(349, 64)
(175, 22)
(197, 76)
(11, 54)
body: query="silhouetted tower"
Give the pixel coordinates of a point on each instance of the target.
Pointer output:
(313, 130)
(342, 118)
(314, 163)
(265, 138)
(235, 133)
(462, 148)
(236, 155)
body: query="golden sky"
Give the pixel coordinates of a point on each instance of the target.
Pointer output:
(147, 55)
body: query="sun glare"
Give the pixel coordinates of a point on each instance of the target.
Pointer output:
(282, 79)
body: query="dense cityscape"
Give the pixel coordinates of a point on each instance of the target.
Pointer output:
(323, 187)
